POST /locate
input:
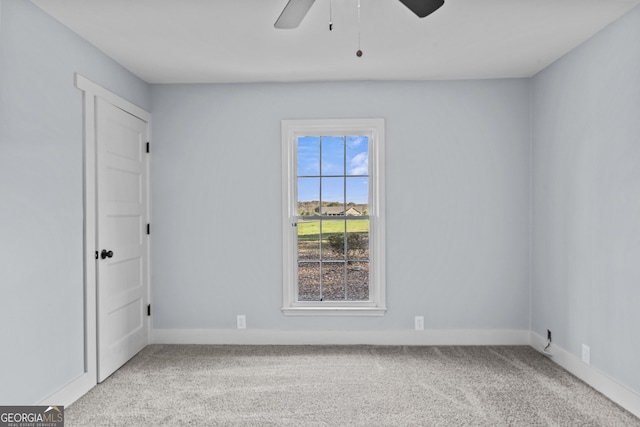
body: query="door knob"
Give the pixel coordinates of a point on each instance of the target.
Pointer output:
(106, 254)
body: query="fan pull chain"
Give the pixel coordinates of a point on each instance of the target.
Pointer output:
(330, 15)
(359, 52)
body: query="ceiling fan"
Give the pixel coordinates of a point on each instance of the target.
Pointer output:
(295, 10)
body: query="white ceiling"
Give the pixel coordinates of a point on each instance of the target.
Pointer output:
(197, 41)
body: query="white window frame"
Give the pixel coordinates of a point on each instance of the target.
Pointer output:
(375, 130)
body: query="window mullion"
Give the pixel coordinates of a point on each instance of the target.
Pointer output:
(344, 207)
(321, 222)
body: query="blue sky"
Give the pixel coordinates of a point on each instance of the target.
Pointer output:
(333, 169)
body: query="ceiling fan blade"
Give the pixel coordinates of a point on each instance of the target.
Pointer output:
(293, 13)
(423, 8)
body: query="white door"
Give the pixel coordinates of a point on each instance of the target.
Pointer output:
(122, 256)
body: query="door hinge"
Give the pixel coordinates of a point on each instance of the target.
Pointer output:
(149, 310)
(148, 228)
(148, 148)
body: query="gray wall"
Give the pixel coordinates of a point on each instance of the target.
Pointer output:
(41, 271)
(457, 201)
(586, 200)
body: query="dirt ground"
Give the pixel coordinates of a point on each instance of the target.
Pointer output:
(342, 280)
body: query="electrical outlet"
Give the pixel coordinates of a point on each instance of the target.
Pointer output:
(586, 354)
(242, 321)
(419, 323)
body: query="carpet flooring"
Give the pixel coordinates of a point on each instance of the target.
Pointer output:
(206, 385)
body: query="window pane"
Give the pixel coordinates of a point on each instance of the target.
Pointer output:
(309, 156)
(332, 196)
(308, 281)
(308, 196)
(309, 240)
(357, 155)
(333, 240)
(358, 281)
(358, 240)
(333, 281)
(332, 155)
(358, 192)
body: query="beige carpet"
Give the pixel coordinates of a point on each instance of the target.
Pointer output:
(198, 385)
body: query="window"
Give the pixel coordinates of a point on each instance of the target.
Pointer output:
(333, 217)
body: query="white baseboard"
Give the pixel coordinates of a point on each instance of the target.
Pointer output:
(71, 392)
(312, 337)
(622, 395)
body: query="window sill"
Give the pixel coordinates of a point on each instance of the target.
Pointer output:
(333, 311)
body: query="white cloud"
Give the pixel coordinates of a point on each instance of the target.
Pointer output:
(359, 164)
(355, 141)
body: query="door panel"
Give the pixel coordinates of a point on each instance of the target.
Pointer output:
(123, 286)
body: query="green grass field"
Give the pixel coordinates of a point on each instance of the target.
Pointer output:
(310, 230)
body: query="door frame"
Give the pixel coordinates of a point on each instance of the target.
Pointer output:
(89, 378)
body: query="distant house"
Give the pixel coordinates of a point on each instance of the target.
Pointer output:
(339, 211)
